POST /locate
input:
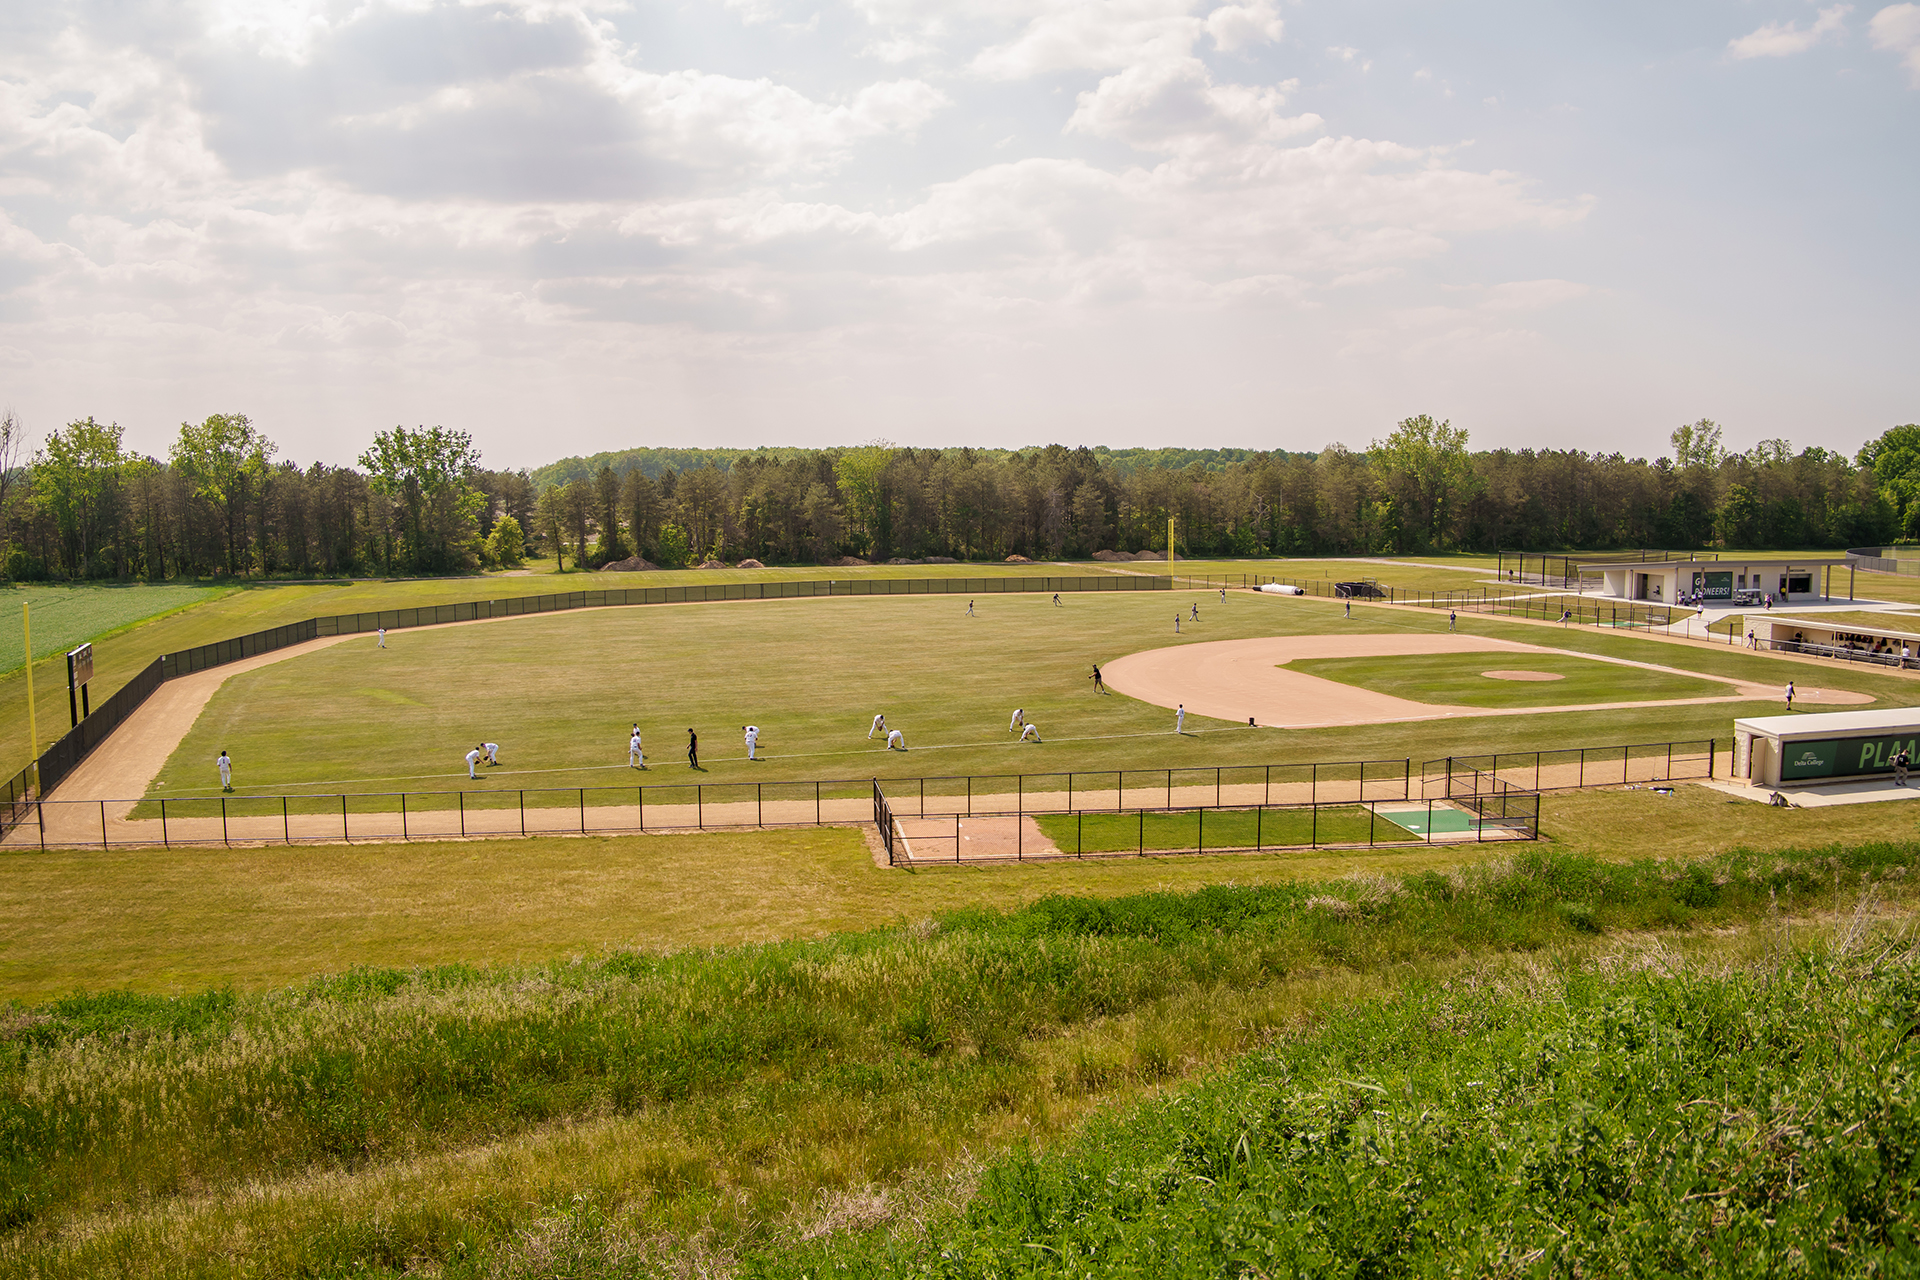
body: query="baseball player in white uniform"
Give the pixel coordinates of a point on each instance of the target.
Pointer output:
(1030, 734)
(225, 765)
(1180, 718)
(636, 759)
(473, 759)
(383, 639)
(879, 726)
(896, 741)
(493, 751)
(752, 732)
(1019, 719)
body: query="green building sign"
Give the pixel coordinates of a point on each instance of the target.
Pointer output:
(1843, 757)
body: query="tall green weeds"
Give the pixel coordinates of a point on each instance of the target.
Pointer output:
(778, 1070)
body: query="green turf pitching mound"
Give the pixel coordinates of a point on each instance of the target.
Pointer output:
(1459, 679)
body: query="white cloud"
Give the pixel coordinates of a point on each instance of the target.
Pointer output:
(1896, 29)
(1783, 39)
(1532, 295)
(391, 199)
(1238, 25)
(1175, 106)
(1095, 35)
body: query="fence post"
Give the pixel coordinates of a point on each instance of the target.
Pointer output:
(403, 815)
(759, 807)
(1669, 777)
(286, 824)
(1583, 767)
(1313, 837)
(223, 820)
(1079, 829)
(816, 805)
(344, 833)
(463, 812)
(923, 797)
(523, 812)
(583, 811)
(166, 843)
(1201, 836)
(1711, 742)
(1259, 824)
(1143, 832)
(699, 806)
(103, 825)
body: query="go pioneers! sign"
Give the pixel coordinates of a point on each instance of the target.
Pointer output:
(1843, 757)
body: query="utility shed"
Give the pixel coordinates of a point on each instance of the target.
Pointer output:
(1785, 751)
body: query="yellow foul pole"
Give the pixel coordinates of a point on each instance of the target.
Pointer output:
(33, 722)
(1169, 544)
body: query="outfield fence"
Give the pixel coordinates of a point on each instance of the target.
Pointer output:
(1334, 796)
(1547, 606)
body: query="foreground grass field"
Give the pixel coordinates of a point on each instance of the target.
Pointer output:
(175, 922)
(865, 1103)
(1460, 679)
(560, 691)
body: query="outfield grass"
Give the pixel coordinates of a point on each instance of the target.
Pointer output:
(1456, 679)
(747, 1108)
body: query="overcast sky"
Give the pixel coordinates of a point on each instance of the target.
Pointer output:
(568, 227)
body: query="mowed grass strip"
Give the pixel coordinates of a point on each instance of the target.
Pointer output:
(1218, 829)
(1457, 679)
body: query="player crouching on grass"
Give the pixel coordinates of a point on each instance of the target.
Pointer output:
(1031, 733)
(493, 752)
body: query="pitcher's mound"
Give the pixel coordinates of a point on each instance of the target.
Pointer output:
(1522, 675)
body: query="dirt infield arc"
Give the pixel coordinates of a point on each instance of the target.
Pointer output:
(1235, 679)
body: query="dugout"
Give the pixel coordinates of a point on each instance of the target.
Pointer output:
(1894, 642)
(1830, 746)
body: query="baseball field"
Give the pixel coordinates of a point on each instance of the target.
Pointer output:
(559, 693)
(761, 1052)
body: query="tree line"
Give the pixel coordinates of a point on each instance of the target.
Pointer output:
(419, 502)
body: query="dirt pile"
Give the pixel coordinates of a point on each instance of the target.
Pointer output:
(632, 564)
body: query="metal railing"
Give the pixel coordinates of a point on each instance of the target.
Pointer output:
(1569, 768)
(1501, 813)
(16, 796)
(1480, 784)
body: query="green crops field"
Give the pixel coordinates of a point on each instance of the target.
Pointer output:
(559, 692)
(1459, 679)
(64, 617)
